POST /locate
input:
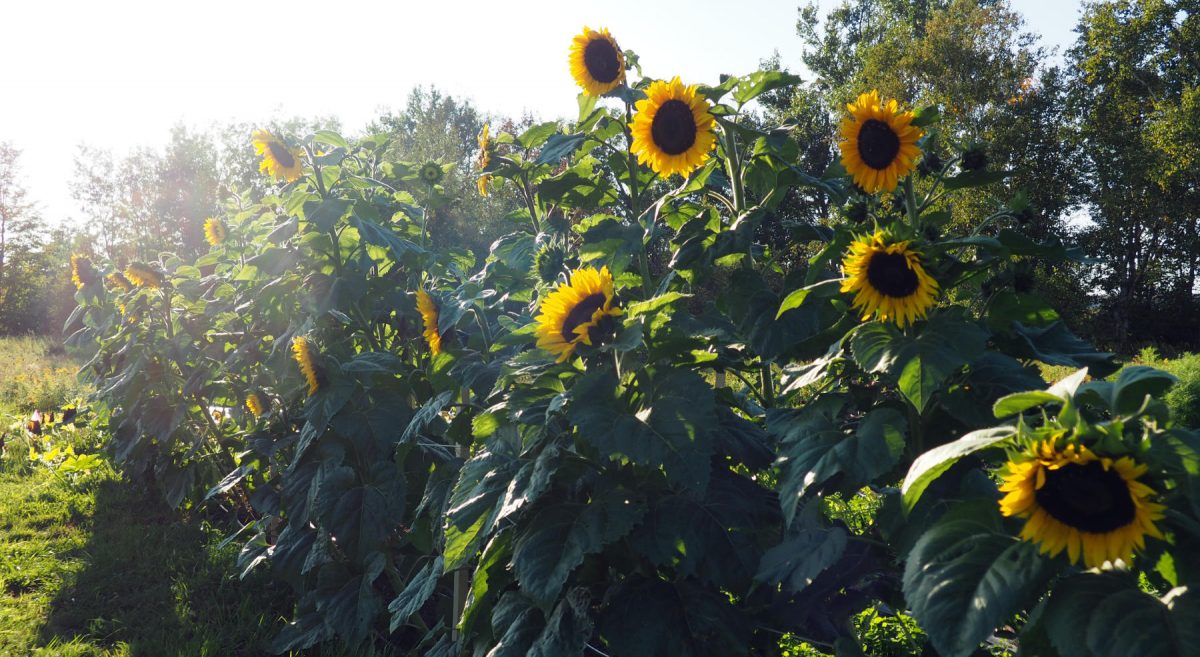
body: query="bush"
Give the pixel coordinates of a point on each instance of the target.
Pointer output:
(1184, 397)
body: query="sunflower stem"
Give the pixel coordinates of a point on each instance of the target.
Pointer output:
(910, 198)
(634, 198)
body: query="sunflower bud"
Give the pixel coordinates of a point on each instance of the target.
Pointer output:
(548, 263)
(974, 158)
(856, 212)
(930, 165)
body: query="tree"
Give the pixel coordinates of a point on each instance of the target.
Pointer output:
(1135, 92)
(21, 264)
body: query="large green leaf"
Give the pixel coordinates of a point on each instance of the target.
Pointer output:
(668, 426)
(920, 364)
(796, 562)
(1107, 615)
(474, 504)
(964, 578)
(814, 448)
(561, 535)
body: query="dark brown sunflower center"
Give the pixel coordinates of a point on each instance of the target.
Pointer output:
(1087, 497)
(580, 314)
(281, 154)
(601, 60)
(674, 127)
(878, 144)
(890, 274)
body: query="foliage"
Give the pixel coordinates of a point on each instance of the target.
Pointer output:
(474, 495)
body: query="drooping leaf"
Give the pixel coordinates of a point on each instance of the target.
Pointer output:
(415, 593)
(688, 621)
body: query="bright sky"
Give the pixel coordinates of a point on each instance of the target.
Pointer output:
(119, 74)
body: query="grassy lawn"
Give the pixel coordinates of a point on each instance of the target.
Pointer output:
(98, 566)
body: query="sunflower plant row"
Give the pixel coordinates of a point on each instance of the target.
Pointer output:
(634, 427)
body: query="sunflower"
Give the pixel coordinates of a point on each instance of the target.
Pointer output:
(142, 275)
(879, 143)
(673, 129)
(279, 161)
(255, 404)
(431, 173)
(82, 271)
(485, 158)
(214, 231)
(302, 351)
(429, 315)
(571, 311)
(1072, 499)
(597, 63)
(118, 281)
(888, 279)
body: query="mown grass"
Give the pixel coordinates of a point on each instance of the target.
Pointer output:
(96, 566)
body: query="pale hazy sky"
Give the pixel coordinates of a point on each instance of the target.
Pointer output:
(119, 74)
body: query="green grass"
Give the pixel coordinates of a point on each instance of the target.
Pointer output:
(98, 568)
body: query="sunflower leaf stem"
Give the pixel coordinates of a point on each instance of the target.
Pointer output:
(316, 172)
(768, 386)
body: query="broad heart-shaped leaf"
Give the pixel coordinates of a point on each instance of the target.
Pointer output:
(325, 214)
(933, 463)
(964, 578)
(475, 503)
(668, 426)
(647, 617)
(714, 539)
(920, 364)
(351, 609)
(797, 561)
(558, 538)
(814, 448)
(415, 593)
(1107, 615)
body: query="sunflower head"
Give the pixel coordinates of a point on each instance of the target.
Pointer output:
(82, 271)
(431, 173)
(255, 404)
(1092, 506)
(143, 275)
(214, 231)
(673, 129)
(974, 158)
(887, 279)
(597, 63)
(879, 143)
(118, 281)
(548, 263)
(278, 160)
(306, 358)
(573, 313)
(429, 316)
